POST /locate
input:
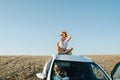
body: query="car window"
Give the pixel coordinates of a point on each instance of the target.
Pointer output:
(116, 76)
(99, 75)
(69, 70)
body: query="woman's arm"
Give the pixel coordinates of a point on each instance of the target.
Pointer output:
(57, 45)
(68, 38)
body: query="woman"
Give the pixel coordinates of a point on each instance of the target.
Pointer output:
(62, 44)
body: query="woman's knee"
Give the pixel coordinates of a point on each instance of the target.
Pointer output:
(59, 50)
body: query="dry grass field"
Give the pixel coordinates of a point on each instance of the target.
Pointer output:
(25, 67)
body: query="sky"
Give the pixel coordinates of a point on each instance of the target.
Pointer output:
(32, 27)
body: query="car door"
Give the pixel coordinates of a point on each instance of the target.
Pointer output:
(115, 74)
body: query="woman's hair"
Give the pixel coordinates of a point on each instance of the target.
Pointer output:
(64, 32)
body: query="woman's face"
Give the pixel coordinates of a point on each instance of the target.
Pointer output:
(62, 35)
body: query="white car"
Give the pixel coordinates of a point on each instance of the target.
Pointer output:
(73, 67)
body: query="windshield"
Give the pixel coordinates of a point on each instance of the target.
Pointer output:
(68, 70)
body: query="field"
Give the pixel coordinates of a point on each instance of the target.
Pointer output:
(25, 67)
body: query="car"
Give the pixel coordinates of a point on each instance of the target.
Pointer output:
(75, 67)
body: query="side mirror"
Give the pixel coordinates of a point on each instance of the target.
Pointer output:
(41, 75)
(115, 74)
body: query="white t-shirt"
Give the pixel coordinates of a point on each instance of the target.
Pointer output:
(63, 44)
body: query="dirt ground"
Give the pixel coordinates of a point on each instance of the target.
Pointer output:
(25, 67)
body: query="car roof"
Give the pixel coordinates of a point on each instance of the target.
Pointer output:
(77, 58)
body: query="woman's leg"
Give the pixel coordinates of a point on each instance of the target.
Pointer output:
(68, 51)
(60, 50)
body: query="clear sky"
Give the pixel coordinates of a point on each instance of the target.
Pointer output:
(32, 27)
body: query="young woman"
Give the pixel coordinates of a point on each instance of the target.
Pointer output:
(62, 44)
